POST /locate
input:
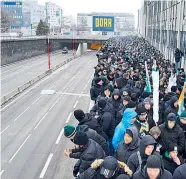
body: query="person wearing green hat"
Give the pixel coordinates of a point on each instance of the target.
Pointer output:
(70, 131)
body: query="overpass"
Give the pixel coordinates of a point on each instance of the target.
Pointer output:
(14, 48)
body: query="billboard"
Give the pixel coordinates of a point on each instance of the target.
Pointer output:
(103, 23)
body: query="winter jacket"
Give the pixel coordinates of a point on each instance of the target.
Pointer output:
(93, 124)
(170, 165)
(180, 172)
(171, 108)
(133, 161)
(95, 91)
(174, 135)
(178, 54)
(92, 134)
(105, 118)
(169, 95)
(125, 123)
(142, 174)
(116, 106)
(124, 151)
(92, 151)
(91, 173)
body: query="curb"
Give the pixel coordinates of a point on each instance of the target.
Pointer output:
(23, 87)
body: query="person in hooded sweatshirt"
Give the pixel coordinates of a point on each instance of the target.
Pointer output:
(169, 95)
(129, 146)
(70, 131)
(173, 108)
(96, 89)
(106, 94)
(142, 123)
(86, 152)
(171, 159)
(129, 116)
(138, 159)
(180, 172)
(87, 119)
(171, 132)
(108, 168)
(153, 170)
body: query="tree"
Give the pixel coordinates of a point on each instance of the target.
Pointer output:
(42, 28)
(5, 22)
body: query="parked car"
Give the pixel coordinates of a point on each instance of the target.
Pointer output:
(65, 50)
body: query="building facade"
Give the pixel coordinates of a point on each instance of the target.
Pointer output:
(123, 22)
(13, 9)
(54, 16)
(163, 24)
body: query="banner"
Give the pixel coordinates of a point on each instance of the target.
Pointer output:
(103, 23)
(181, 99)
(155, 81)
(148, 86)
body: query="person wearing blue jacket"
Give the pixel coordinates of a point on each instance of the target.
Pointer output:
(129, 116)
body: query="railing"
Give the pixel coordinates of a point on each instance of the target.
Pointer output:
(96, 37)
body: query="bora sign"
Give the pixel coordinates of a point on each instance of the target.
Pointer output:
(103, 23)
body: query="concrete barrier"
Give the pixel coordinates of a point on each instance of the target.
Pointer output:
(23, 87)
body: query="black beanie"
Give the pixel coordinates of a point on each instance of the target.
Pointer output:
(172, 147)
(129, 132)
(140, 110)
(79, 114)
(171, 117)
(123, 176)
(131, 104)
(80, 138)
(101, 103)
(97, 80)
(154, 161)
(174, 89)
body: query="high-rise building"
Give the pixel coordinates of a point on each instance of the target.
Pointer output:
(163, 24)
(13, 11)
(54, 15)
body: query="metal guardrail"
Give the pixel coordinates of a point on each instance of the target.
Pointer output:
(91, 37)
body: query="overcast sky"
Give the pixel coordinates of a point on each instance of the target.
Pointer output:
(72, 7)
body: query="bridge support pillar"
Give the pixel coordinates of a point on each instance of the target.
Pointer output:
(82, 48)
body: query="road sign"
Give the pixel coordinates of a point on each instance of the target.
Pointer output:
(103, 23)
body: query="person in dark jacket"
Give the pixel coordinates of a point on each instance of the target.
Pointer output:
(153, 170)
(171, 159)
(107, 168)
(180, 172)
(87, 119)
(182, 122)
(138, 159)
(86, 152)
(148, 106)
(142, 123)
(171, 132)
(116, 103)
(129, 146)
(106, 118)
(173, 108)
(169, 95)
(178, 55)
(70, 131)
(96, 89)
(106, 94)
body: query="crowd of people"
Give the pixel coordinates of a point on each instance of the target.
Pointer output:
(119, 137)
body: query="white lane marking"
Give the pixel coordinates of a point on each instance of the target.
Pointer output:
(21, 114)
(89, 80)
(66, 90)
(69, 116)
(1, 172)
(37, 99)
(46, 165)
(59, 137)
(19, 149)
(91, 105)
(5, 129)
(40, 121)
(54, 104)
(85, 87)
(75, 104)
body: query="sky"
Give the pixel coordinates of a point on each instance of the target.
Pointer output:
(72, 7)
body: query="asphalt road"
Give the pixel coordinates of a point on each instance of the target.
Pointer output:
(15, 75)
(32, 141)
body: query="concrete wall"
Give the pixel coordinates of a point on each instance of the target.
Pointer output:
(15, 50)
(82, 48)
